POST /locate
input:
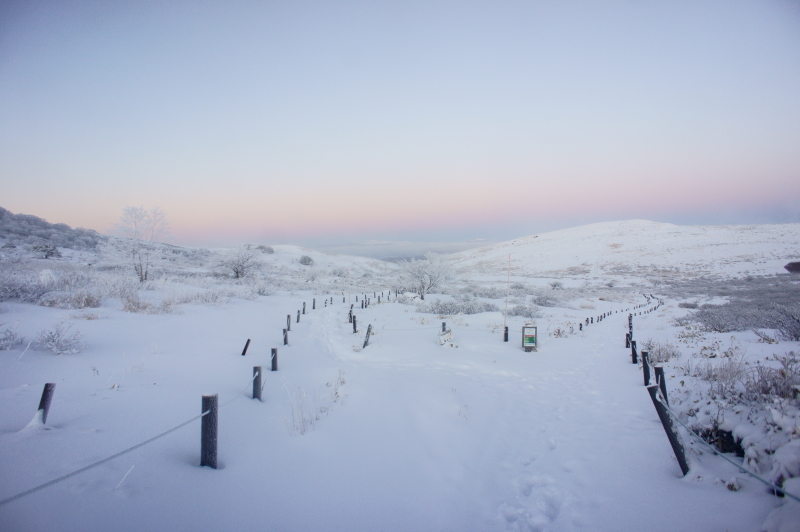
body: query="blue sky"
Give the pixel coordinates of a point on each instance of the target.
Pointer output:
(333, 123)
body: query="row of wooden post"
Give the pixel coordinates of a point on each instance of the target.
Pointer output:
(653, 388)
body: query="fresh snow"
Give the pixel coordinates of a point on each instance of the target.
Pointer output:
(404, 434)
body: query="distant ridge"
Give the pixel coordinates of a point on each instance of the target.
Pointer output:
(642, 248)
(29, 230)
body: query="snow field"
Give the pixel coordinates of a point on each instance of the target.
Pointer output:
(479, 437)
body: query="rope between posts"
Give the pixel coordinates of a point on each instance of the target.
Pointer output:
(103, 461)
(721, 455)
(114, 456)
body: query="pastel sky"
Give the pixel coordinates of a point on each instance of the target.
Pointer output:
(329, 123)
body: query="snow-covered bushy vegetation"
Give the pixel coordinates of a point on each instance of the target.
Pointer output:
(406, 431)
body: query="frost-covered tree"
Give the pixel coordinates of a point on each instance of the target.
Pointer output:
(242, 263)
(423, 275)
(140, 229)
(46, 251)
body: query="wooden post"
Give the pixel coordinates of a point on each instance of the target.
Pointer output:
(627, 340)
(369, 332)
(314, 304)
(362, 303)
(343, 300)
(257, 382)
(646, 368)
(660, 381)
(288, 322)
(350, 316)
(208, 432)
(298, 316)
(274, 359)
(669, 428)
(444, 326)
(285, 337)
(355, 328)
(246, 345)
(505, 334)
(47, 398)
(304, 307)
(634, 355)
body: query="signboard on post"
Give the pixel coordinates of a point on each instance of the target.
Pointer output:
(529, 338)
(446, 338)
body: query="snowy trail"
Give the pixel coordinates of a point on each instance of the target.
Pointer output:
(420, 437)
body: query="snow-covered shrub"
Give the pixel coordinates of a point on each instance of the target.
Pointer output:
(770, 382)
(242, 263)
(543, 299)
(526, 311)
(133, 302)
(71, 300)
(741, 315)
(9, 337)
(556, 285)
(265, 249)
(60, 340)
(450, 308)
(305, 260)
(687, 304)
(46, 251)
(339, 272)
(659, 353)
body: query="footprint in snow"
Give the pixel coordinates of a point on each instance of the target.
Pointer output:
(539, 505)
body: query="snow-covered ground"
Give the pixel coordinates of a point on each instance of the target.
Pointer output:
(404, 434)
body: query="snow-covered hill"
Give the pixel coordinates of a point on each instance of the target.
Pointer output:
(641, 249)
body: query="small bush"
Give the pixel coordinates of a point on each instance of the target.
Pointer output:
(659, 353)
(133, 302)
(557, 285)
(60, 340)
(544, 300)
(46, 251)
(9, 338)
(71, 300)
(451, 308)
(305, 260)
(687, 304)
(265, 249)
(526, 311)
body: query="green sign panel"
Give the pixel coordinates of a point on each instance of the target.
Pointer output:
(529, 337)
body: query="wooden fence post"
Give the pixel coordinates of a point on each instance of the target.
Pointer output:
(369, 332)
(246, 345)
(298, 316)
(274, 359)
(285, 337)
(669, 428)
(660, 381)
(304, 307)
(634, 355)
(288, 322)
(444, 326)
(208, 432)
(314, 304)
(257, 382)
(47, 398)
(355, 328)
(505, 334)
(646, 367)
(627, 340)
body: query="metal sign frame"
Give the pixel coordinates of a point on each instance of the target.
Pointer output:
(530, 338)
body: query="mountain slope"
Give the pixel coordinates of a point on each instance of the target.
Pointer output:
(641, 248)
